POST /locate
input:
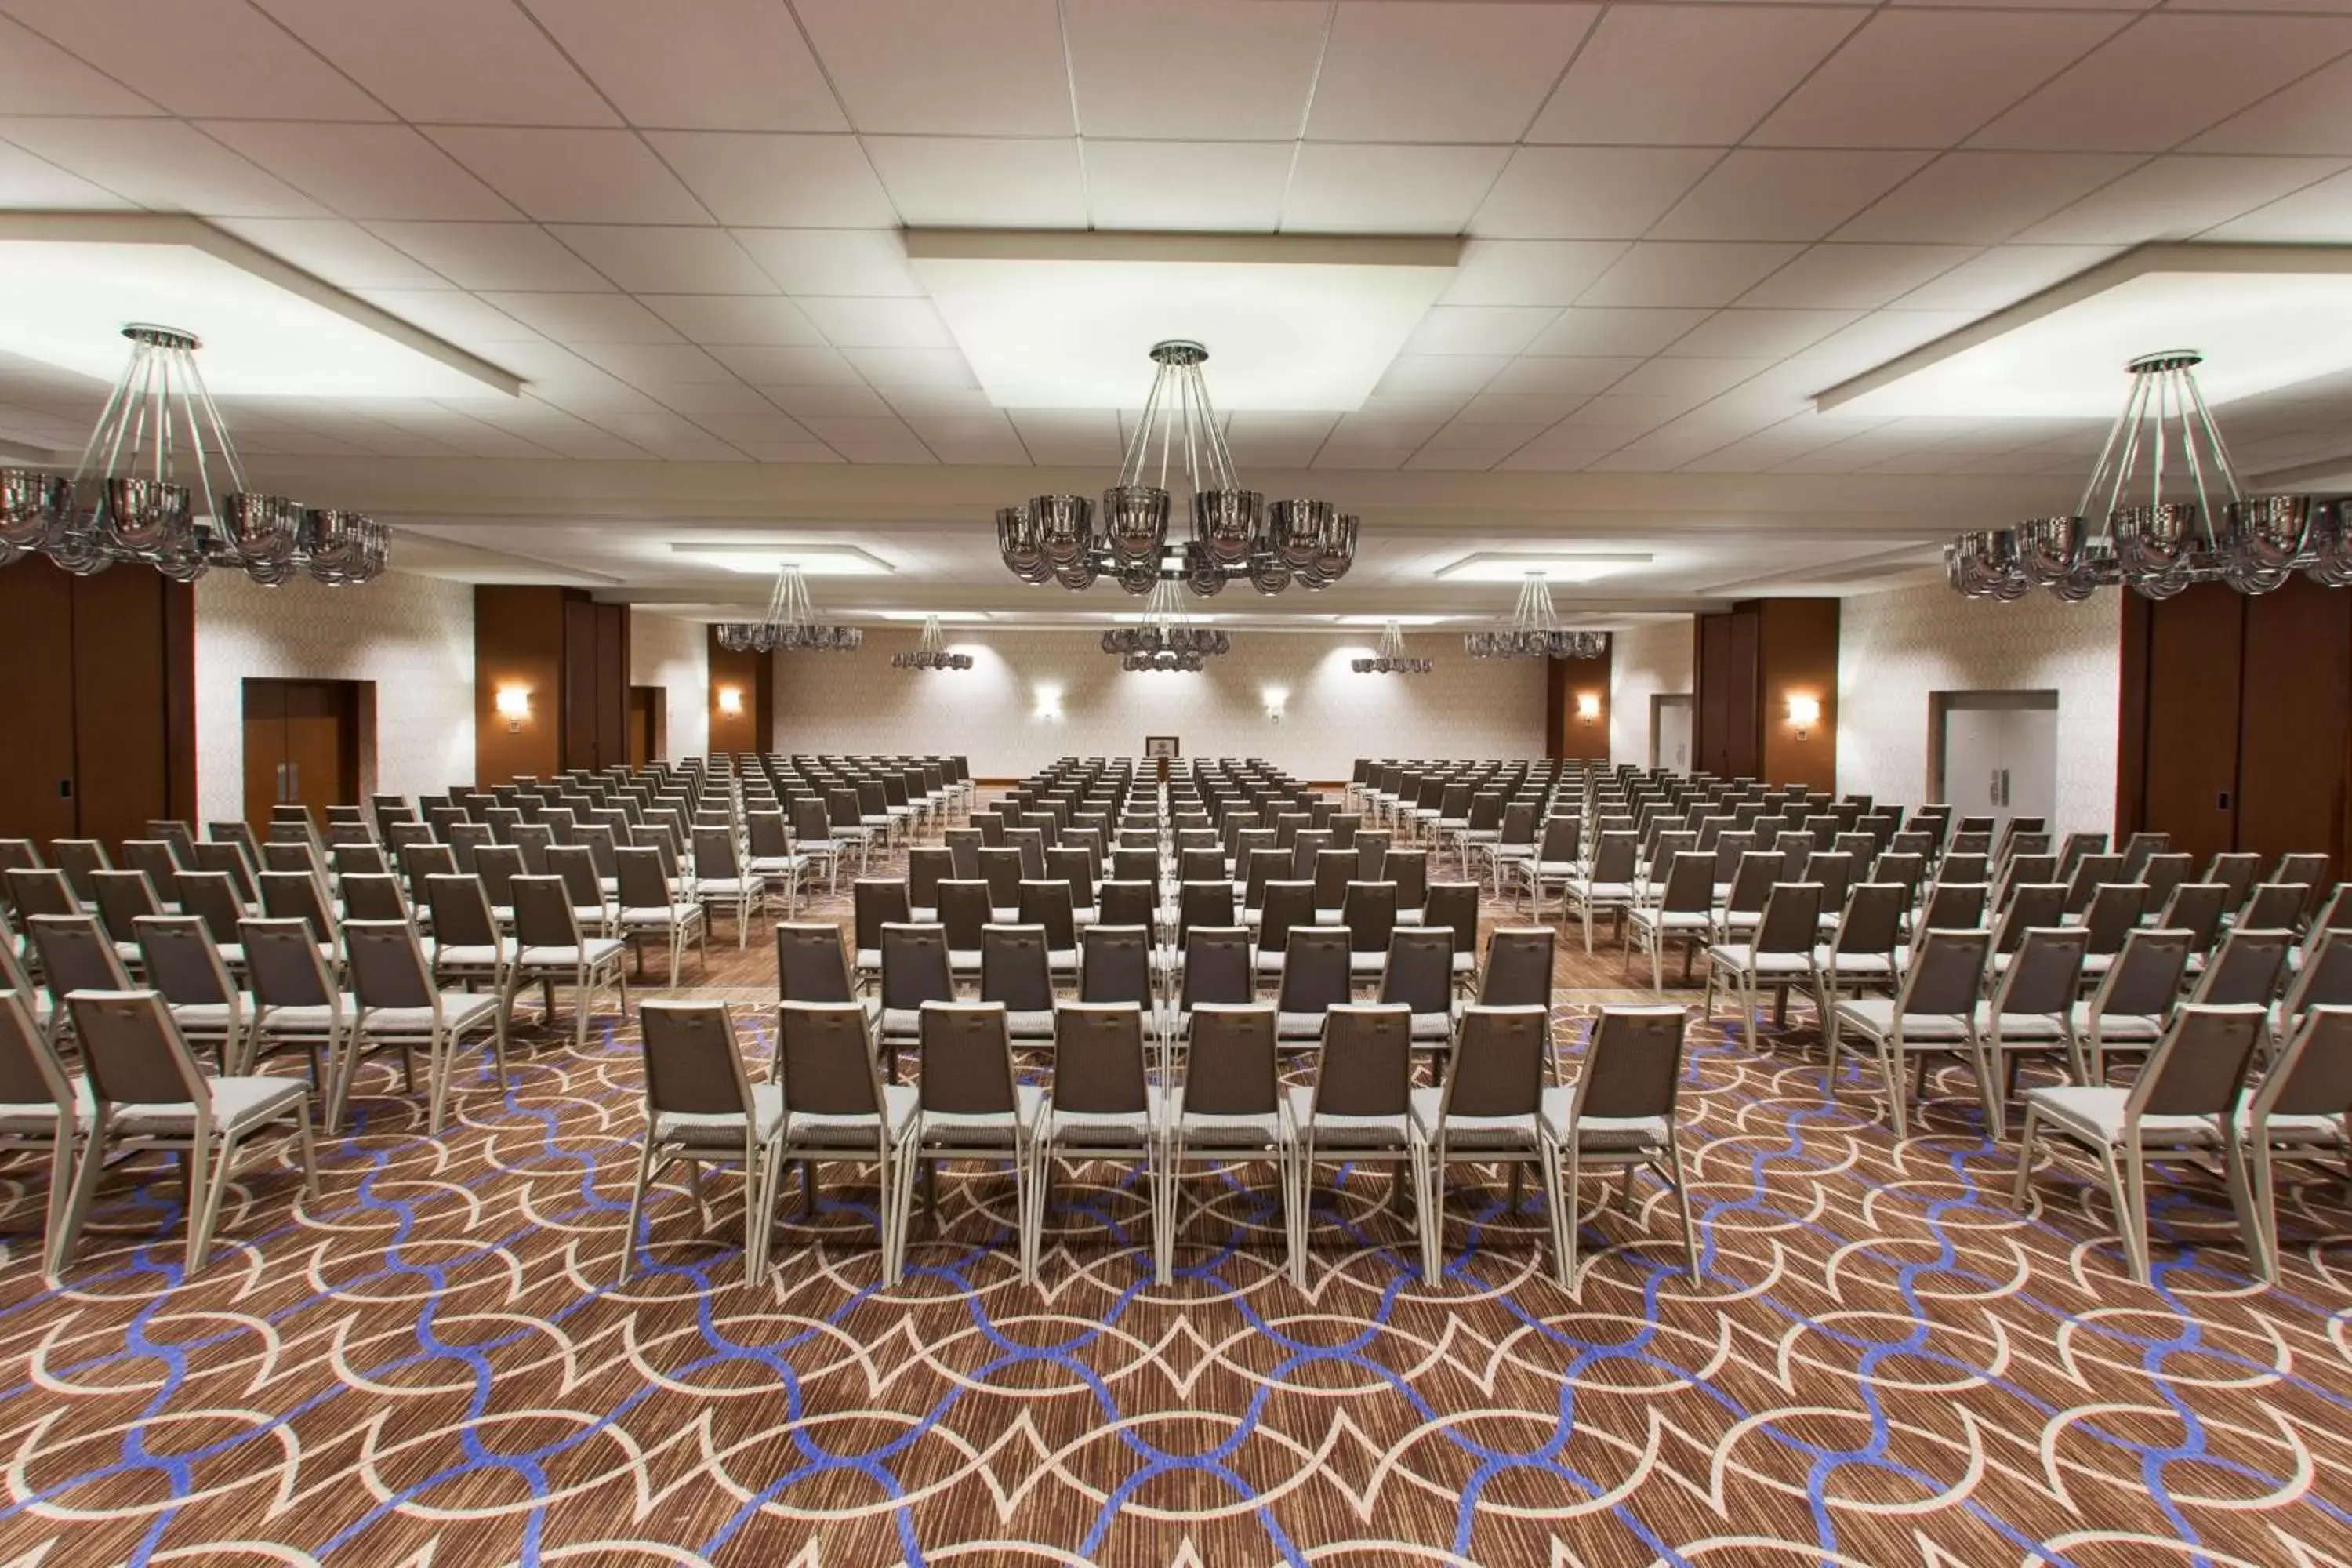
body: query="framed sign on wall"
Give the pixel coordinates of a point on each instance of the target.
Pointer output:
(1162, 746)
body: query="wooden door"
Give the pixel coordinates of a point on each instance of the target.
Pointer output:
(301, 746)
(649, 707)
(37, 786)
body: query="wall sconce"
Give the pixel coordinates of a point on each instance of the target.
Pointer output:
(730, 699)
(1804, 712)
(1588, 706)
(1276, 696)
(514, 707)
(1049, 704)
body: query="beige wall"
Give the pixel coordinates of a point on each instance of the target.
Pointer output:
(1895, 648)
(412, 637)
(675, 655)
(853, 702)
(1644, 660)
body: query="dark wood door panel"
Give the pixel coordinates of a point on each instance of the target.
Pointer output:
(2194, 674)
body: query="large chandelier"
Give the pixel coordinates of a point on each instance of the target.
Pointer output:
(1236, 532)
(1535, 631)
(1391, 659)
(122, 503)
(2144, 542)
(932, 652)
(1166, 639)
(790, 623)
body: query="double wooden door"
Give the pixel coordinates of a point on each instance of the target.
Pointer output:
(301, 746)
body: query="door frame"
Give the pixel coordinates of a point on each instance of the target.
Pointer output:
(363, 729)
(1659, 702)
(659, 700)
(1940, 705)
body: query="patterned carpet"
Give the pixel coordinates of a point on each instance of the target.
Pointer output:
(1886, 1364)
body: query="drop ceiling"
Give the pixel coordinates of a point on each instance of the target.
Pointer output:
(680, 227)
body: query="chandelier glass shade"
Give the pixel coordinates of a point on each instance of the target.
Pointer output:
(1166, 639)
(1236, 532)
(1534, 631)
(1391, 659)
(932, 652)
(123, 502)
(2206, 529)
(790, 623)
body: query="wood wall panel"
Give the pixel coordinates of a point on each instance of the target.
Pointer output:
(1567, 732)
(2295, 722)
(518, 641)
(1711, 685)
(579, 683)
(753, 727)
(37, 710)
(612, 715)
(1797, 655)
(2194, 676)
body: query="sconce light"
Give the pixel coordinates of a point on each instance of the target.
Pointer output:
(1049, 704)
(730, 699)
(1804, 712)
(514, 706)
(1276, 696)
(1588, 706)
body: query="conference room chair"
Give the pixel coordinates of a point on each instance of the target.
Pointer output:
(1604, 885)
(1358, 1109)
(1229, 1107)
(1932, 1015)
(147, 1092)
(551, 950)
(2324, 979)
(468, 946)
(1623, 1114)
(400, 1006)
(2182, 1106)
(2129, 1011)
(184, 964)
(702, 1108)
(915, 969)
(837, 1106)
(75, 954)
(646, 905)
(1317, 975)
(970, 1106)
(1778, 952)
(44, 1116)
(1489, 1109)
(1016, 974)
(2299, 1111)
(1046, 904)
(1103, 1105)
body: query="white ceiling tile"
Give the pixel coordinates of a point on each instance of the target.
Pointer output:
(2166, 77)
(832, 261)
(2304, 121)
(978, 68)
(1340, 187)
(1671, 75)
(838, 427)
(719, 65)
(789, 452)
(1759, 334)
(1589, 193)
(2316, 214)
(579, 319)
(1231, 186)
(31, 183)
(1692, 380)
(649, 259)
(194, 57)
(734, 318)
(879, 323)
(2178, 197)
(896, 454)
(1245, 66)
(1474, 460)
(1335, 457)
(1066, 424)
(963, 430)
(1615, 413)
(573, 176)
(1492, 407)
(38, 77)
(1479, 328)
(651, 428)
(1564, 375)
(1686, 273)
(1928, 79)
(887, 367)
(976, 183)
(1589, 329)
(1464, 373)
(363, 171)
(1982, 198)
(1382, 434)
(454, 316)
(1779, 193)
(465, 62)
(161, 164)
(1854, 276)
(857, 399)
(562, 378)
(1871, 343)
(755, 426)
(781, 182)
(1529, 271)
(2003, 275)
(778, 367)
(493, 254)
(328, 249)
(1460, 71)
(969, 402)
(658, 367)
(1534, 458)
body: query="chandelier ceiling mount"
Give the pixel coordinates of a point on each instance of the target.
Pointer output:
(790, 623)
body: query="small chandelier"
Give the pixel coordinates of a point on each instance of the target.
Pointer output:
(2153, 546)
(932, 652)
(122, 503)
(1391, 659)
(1236, 532)
(1535, 631)
(790, 623)
(1166, 639)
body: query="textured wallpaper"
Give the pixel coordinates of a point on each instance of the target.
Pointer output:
(675, 655)
(1649, 659)
(997, 712)
(412, 637)
(1895, 648)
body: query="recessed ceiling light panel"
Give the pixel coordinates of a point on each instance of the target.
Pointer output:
(764, 560)
(1512, 566)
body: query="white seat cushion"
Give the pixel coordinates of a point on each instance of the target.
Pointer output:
(959, 1127)
(238, 1103)
(724, 1129)
(1354, 1132)
(459, 1009)
(474, 957)
(1876, 1015)
(594, 951)
(1601, 1134)
(899, 1101)
(2095, 1111)
(1473, 1131)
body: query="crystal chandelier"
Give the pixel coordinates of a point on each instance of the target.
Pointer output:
(1391, 659)
(1165, 639)
(2142, 540)
(790, 623)
(122, 503)
(932, 652)
(1535, 631)
(1236, 532)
